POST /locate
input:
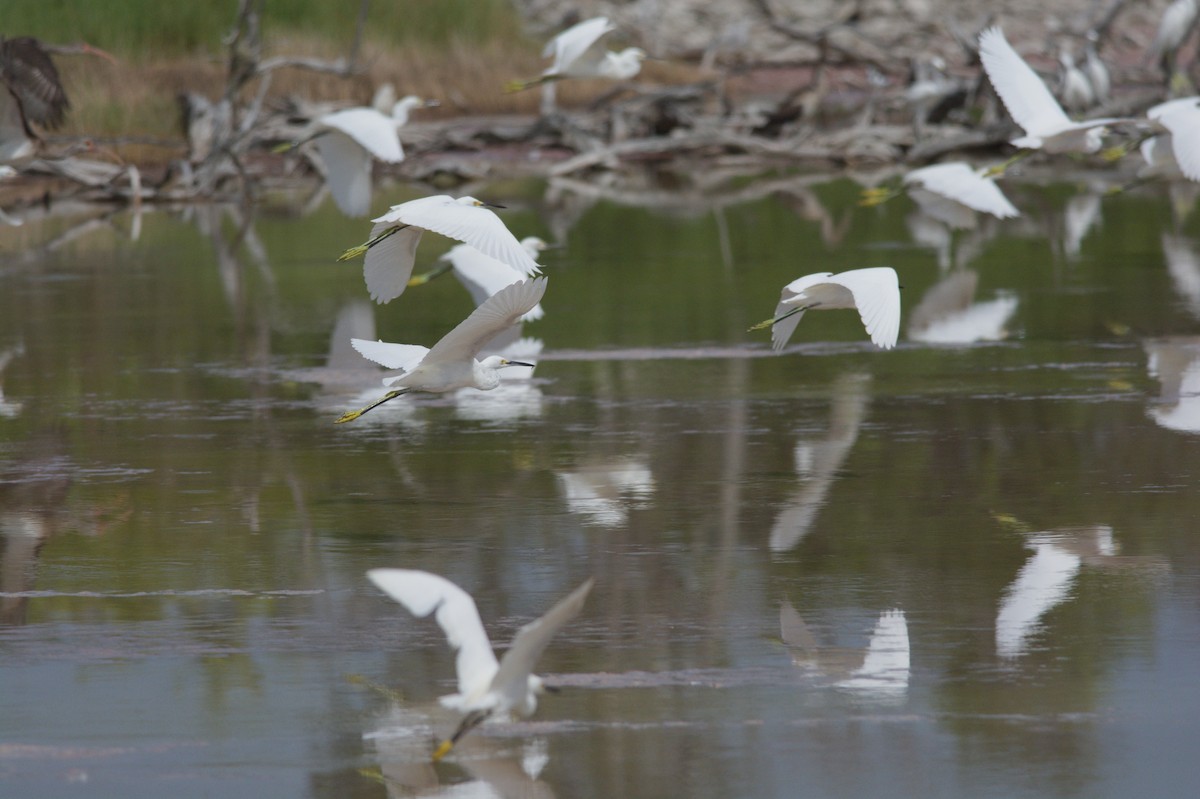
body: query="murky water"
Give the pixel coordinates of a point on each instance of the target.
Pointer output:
(966, 567)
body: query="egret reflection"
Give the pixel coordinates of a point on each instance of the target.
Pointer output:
(603, 493)
(1175, 364)
(1183, 265)
(948, 314)
(879, 672)
(817, 462)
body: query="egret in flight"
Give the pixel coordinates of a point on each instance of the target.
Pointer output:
(391, 250)
(578, 54)
(875, 292)
(485, 687)
(1031, 104)
(945, 190)
(347, 141)
(451, 363)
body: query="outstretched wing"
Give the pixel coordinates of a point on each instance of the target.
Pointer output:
(393, 356)
(498, 312)
(876, 293)
(569, 46)
(531, 640)
(388, 265)
(373, 131)
(1023, 92)
(33, 79)
(961, 183)
(1183, 122)
(347, 173)
(424, 593)
(472, 224)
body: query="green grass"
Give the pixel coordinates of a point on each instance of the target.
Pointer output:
(143, 30)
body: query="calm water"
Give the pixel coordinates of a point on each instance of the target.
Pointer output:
(966, 567)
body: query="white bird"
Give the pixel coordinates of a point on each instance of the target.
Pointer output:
(1076, 90)
(1176, 150)
(482, 276)
(451, 363)
(1096, 71)
(875, 292)
(347, 141)
(958, 182)
(1031, 104)
(1173, 29)
(391, 250)
(578, 54)
(485, 687)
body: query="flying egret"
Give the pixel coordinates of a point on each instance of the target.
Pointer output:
(347, 141)
(481, 275)
(1179, 139)
(874, 291)
(577, 54)
(1031, 104)
(958, 182)
(451, 363)
(391, 250)
(485, 687)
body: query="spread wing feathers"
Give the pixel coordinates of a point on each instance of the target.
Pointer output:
(389, 264)
(373, 131)
(877, 296)
(393, 356)
(471, 224)
(531, 641)
(484, 276)
(781, 332)
(497, 313)
(570, 46)
(423, 593)
(1023, 92)
(959, 182)
(32, 77)
(1184, 124)
(347, 172)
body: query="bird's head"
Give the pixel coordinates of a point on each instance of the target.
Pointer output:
(497, 362)
(471, 201)
(533, 245)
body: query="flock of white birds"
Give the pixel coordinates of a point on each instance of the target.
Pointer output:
(503, 275)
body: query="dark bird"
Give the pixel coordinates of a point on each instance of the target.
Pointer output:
(33, 94)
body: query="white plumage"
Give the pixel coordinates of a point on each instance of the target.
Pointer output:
(482, 276)
(960, 182)
(874, 292)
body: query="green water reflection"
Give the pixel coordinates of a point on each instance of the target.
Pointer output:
(968, 566)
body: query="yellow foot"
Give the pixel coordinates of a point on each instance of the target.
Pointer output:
(353, 252)
(443, 749)
(350, 416)
(763, 324)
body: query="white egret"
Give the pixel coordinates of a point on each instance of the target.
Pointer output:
(1176, 151)
(1031, 104)
(347, 141)
(578, 54)
(391, 250)
(1173, 30)
(958, 182)
(451, 363)
(874, 291)
(481, 275)
(1076, 90)
(1095, 69)
(485, 687)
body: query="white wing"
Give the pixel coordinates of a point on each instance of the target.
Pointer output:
(373, 131)
(483, 276)
(1184, 124)
(512, 678)
(876, 293)
(497, 313)
(423, 593)
(393, 356)
(781, 332)
(1023, 92)
(471, 224)
(1043, 582)
(347, 172)
(569, 46)
(388, 265)
(960, 182)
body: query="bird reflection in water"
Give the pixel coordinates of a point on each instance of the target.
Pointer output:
(948, 313)
(1175, 363)
(603, 493)
(879, 672)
